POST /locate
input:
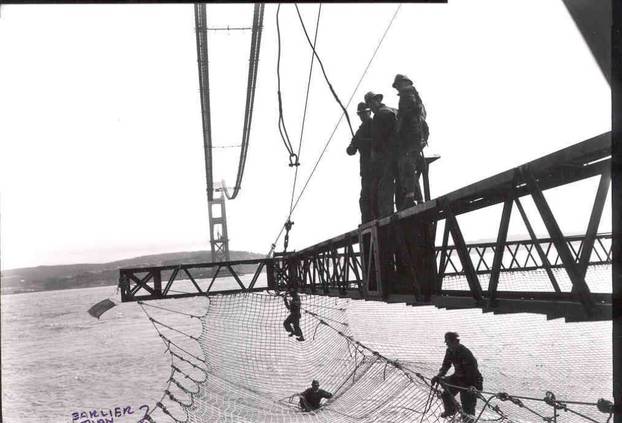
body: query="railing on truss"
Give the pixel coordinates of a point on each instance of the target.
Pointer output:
(523, 255)
(335, 265)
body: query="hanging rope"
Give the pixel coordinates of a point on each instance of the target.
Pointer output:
(293, 158)
(273, 245)
(304, 113)
(169, 310)
(332, 90)
(168, 384)
(348, 104)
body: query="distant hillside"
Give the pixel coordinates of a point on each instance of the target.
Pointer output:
(84, 275)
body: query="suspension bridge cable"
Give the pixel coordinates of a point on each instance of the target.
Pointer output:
(304, 113)
(281, 122)
(250, 96)
(323, 71)
(273, 245)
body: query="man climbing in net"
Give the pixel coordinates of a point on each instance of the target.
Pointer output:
(310, 399)
(465, 379)
(292, 323)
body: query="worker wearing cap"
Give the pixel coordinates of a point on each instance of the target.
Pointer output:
(412, 134)
(311, 397)
(361, 142)
(466, 376)
(382, 154)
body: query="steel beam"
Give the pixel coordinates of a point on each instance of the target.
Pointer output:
(578, 282)
(464, 255)
(616, 199)
(541, 253)
(592, 227)
(499, 249)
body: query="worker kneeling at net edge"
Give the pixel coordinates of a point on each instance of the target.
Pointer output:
(310, 399)
(466, 376)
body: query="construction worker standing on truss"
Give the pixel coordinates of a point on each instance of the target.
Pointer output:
(412, 136)
(361, 142)
(382, 152)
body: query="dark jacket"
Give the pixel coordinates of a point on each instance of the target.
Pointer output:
(312, 398)
(383, 127)
(465, 365)
(362, 142)
(294, 306)
(411, 128)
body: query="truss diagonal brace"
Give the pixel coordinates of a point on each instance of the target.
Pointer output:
(499, 249)
(536, 243)
(578, 282)
(592, 227)
(463, 254)
(443, 260)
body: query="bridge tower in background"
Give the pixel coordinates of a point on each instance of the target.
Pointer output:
(219, 239)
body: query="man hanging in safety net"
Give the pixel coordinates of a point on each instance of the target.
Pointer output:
(310, 399)
(466, 377)
(412, 136)
(362, 142)
(292, 323)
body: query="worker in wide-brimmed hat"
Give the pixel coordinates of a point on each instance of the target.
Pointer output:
(383, 144)
(361, 142)
(412, 136)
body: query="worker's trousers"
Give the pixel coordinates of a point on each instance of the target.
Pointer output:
(382, 188)
(365, 200)
(293, 320)
(407, 166)
(467, 399)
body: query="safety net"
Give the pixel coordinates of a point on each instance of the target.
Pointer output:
(376, 359)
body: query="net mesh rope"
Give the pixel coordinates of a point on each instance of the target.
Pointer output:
(243, 367)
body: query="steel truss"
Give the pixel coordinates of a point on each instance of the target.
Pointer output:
(146, 283)
(394, 266)
(394, 259)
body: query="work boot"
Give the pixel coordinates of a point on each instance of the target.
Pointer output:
(447, 414)
(300, 338)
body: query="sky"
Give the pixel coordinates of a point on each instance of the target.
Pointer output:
(101, 144)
